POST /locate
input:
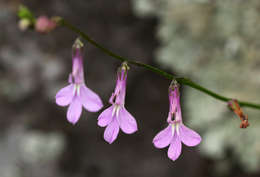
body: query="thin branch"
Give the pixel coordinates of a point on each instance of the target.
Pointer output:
(183, 81)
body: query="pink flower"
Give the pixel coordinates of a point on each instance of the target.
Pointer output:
(176, 132)
(116, 116)
(77, 94)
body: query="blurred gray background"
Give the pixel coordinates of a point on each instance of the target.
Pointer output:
(215, 43)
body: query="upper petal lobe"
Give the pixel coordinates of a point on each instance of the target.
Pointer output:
(163, 138)
(188, 136)
(90, 100)
(65, 95)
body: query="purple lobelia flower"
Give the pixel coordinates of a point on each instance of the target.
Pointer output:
(116, 116)
(176, 132)
(77, 94)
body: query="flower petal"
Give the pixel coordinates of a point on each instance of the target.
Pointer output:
(111, 131)
(188, 136)
(74, 111)
(126, 121)
(163, 138)
(89, 99)
(105, 117)
(65, 95)
(174, 150)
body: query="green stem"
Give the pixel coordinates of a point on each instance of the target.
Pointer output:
(183, 81)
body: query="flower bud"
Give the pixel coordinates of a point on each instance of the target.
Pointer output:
(234, 106)
(24, 24)
(44, 25)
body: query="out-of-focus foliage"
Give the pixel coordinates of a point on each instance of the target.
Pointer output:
(24, 12)
(217, 44)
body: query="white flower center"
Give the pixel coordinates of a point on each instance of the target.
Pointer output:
(173, 129)
(176, 126)
(76, 90)
(116, 110)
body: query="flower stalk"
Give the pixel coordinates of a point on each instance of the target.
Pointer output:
(184, 81)
(181, 80)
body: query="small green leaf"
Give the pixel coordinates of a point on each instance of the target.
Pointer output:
(25, 13)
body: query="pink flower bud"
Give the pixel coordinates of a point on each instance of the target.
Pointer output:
(44, 24)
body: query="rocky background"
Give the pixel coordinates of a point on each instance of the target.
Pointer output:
(215, 43)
